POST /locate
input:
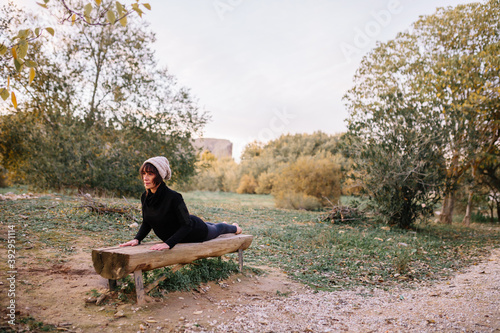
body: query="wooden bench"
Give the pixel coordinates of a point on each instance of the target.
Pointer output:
(114, 263)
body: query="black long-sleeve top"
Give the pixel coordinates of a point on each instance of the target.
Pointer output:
(166, 213)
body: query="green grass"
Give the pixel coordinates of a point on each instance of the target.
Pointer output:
(340, 256)
(14, 189)
(192, 276)
(325, 255)
(224, 199)
(28, 324)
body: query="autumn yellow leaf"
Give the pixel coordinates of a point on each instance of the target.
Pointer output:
(22, 49)
(32, 74)
(14, 53)
(123, 21)
(119, 8)
(4, 93)
(3, 49)
(87, 9)
(73, 19)
(136, 8)
(14, 100)
(111, 16)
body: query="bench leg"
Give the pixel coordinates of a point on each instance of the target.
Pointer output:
(139, 287)
(240, 259)
(111, 284)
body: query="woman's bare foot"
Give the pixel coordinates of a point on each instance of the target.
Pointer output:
(238, 228)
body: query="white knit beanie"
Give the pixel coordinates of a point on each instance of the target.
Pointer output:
(162, 165)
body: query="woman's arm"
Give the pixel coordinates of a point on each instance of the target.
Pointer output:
(143, 232)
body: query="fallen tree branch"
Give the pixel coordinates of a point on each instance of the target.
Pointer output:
(101, 208)
(343, 213)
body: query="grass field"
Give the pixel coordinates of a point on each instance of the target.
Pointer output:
(324, 255)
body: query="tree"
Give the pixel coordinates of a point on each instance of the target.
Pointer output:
(489, 176)
(97, 102)
(398, 154)
(465, 77)
(14, 47)
(445, 69)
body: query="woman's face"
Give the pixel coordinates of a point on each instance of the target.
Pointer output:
(148, 180)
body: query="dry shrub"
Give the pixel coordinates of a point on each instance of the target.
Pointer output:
(265, 183)
(213, 174)
(3, 178)
(227, 169)
(318, 177)
(247, 185)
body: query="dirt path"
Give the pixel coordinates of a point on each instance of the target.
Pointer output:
(56, 293)
(470, 302)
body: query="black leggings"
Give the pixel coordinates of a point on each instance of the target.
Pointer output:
(217, 229)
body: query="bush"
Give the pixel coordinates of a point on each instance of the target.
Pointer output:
(265, 183)
(317, 177)
(3, 178)
(62, 152)
(258, 158)
(247, 185)
(213, 174)
(480, 218)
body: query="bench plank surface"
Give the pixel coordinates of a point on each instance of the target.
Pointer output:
(117, 262)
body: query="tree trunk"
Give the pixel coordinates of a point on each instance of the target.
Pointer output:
(448, 207)
(468, 210)
(498, 211)
(492, 213)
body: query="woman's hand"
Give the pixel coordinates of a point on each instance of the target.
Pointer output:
(133, 242)
(159, 247)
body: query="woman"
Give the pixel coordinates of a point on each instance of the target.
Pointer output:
(164, 211)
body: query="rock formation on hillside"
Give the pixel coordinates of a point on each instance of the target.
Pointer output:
(221, 148)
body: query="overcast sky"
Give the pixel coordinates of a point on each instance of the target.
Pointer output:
(263, 68)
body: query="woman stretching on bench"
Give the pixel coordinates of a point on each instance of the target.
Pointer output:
(164, 211)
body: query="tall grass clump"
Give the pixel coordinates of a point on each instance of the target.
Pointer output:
(193, 275)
